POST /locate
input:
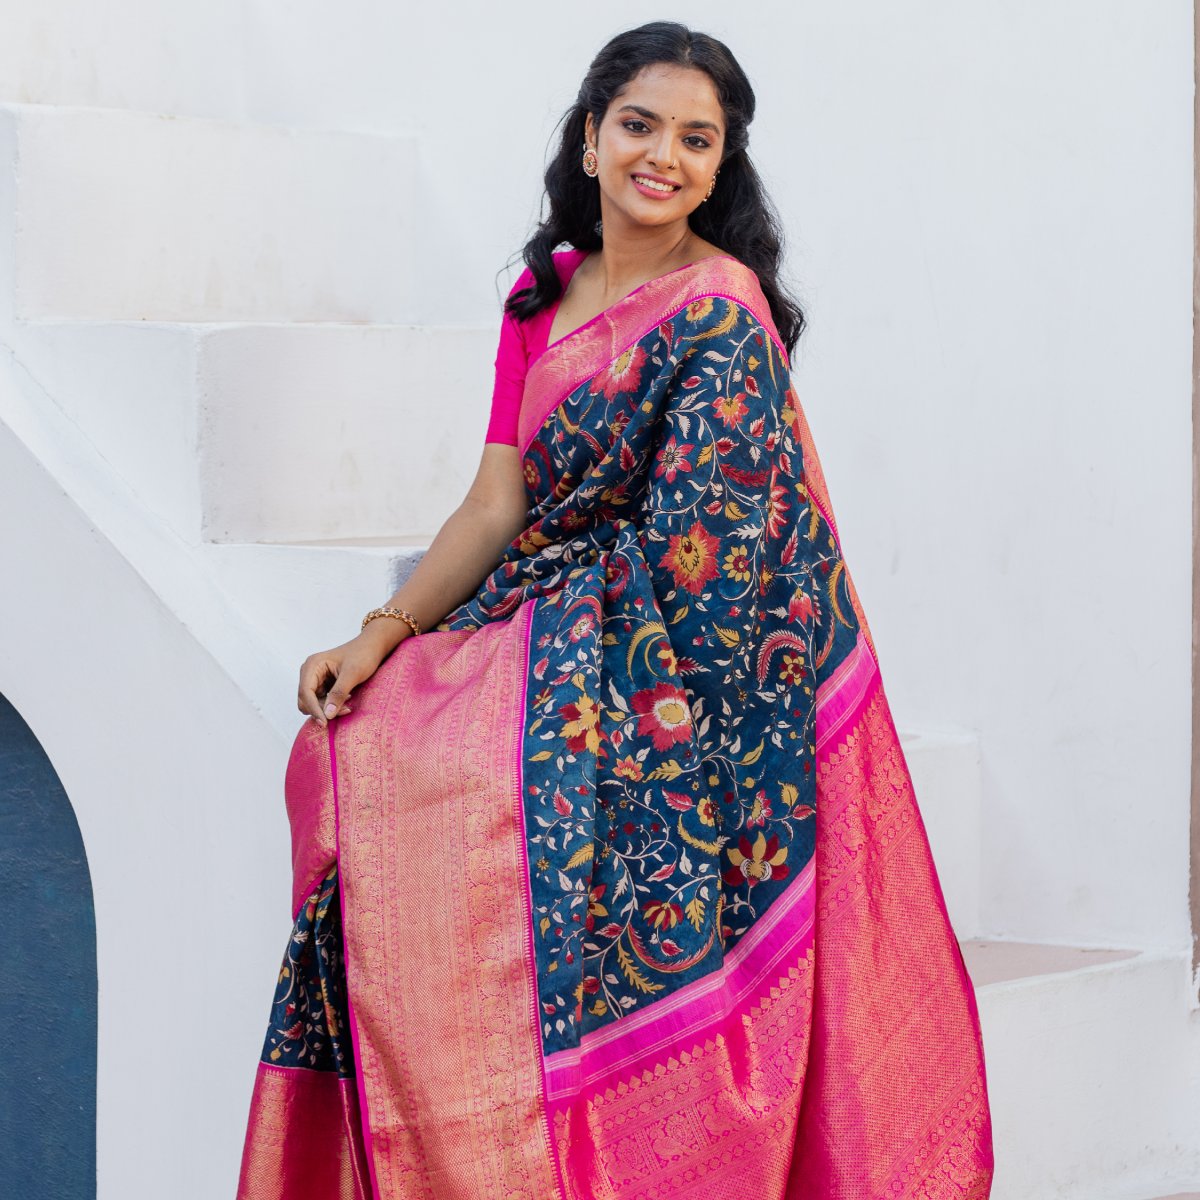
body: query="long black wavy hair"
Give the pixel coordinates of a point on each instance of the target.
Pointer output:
(738, 217)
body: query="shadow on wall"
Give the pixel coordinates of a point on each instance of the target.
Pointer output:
(48, 1067)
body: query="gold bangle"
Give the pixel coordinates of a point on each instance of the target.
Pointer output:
(399, 613)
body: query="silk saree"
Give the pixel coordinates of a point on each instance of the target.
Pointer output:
(614, 885)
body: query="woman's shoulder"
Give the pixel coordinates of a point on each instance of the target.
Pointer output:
(724, 276)
(565, 262)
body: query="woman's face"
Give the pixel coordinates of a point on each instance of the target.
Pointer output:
(658, 146)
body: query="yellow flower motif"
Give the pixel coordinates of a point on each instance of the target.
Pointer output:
(737, 564)
(628, 768)
(792, 669)
(699, 308)
(582, 727)
(667, 659)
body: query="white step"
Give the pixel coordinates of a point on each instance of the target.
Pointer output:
(1091, 1097)
(136, 216)
(351, 69)
(305, 597)
(272, 432)
(339, 431)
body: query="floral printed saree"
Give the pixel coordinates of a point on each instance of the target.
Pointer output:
(614, 885)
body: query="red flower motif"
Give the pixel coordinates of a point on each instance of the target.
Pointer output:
(621, 375)
(692, 558)
(664, 715)
(731, 409)
(673, 458)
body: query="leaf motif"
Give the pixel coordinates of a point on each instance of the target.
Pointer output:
(678, 800)
(630, 971)
(729, 637)
(705, 454)
(540, 756)
(754, 754)
(582, 855)
(734, 512)
(679, 615)
(695, 912)
(543, 925)
(669, 770)
(663, 872)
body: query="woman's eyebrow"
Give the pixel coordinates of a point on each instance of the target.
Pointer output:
(645, 112)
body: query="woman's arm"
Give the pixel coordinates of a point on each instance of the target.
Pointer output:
(466, 549)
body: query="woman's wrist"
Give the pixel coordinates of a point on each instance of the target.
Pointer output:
(385, 633)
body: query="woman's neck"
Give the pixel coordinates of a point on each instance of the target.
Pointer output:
(629, 257)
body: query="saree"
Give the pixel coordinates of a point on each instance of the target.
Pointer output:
(614, 885)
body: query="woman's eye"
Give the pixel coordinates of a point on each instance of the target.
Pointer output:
(699, 143)
(630, 124)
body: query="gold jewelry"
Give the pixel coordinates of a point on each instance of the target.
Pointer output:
(711, 186)
(399, 613)
(591, 164)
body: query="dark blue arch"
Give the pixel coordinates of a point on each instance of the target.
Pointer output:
(47, 980)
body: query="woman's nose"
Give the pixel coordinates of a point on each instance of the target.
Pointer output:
(659, 153)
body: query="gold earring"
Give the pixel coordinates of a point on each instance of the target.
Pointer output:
(712, 185)
(591, 165)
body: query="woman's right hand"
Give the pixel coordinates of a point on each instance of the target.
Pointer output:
(328, 678)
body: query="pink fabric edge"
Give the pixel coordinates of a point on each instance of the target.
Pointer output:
(308, 891)
(705, 293)
(844, 694)
(360, 1083)
(699, 1006)
(518, 775)
(605, 311)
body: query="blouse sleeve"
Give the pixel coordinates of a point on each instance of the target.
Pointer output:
(511, 361)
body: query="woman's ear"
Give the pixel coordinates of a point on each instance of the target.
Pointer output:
(589, 131)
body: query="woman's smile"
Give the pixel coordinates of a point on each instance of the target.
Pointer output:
(654, 185)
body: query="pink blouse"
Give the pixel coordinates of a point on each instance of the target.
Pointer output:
(521, 342)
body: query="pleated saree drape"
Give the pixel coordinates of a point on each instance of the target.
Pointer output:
(614, 885)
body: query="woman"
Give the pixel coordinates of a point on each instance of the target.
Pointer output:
(613, 884)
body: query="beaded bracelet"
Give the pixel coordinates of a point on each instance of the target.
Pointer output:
(399, 613)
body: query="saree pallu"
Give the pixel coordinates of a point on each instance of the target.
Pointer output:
(614, 886)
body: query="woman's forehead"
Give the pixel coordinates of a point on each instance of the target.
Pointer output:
(672, 93)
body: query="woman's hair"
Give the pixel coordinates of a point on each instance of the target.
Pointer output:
(738, 217)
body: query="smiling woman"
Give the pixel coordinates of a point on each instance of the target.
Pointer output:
(613, 883)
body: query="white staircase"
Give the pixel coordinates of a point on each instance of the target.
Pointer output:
(213, 345)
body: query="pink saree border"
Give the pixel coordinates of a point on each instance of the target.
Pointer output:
(518, 757)
(698, 1007)
(843, 696)
(446, 1019)
(359, 1080)
(582, 353)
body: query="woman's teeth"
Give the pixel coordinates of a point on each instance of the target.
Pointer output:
(653, 183)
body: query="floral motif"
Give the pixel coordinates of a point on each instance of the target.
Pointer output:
(737, 564)
(756, 862)
(582, 727)
(672, 458)
(731, 409)
(692, 557)
(622, 375)
(664, 715)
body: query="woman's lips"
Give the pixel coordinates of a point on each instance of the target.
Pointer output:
(655, 193)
